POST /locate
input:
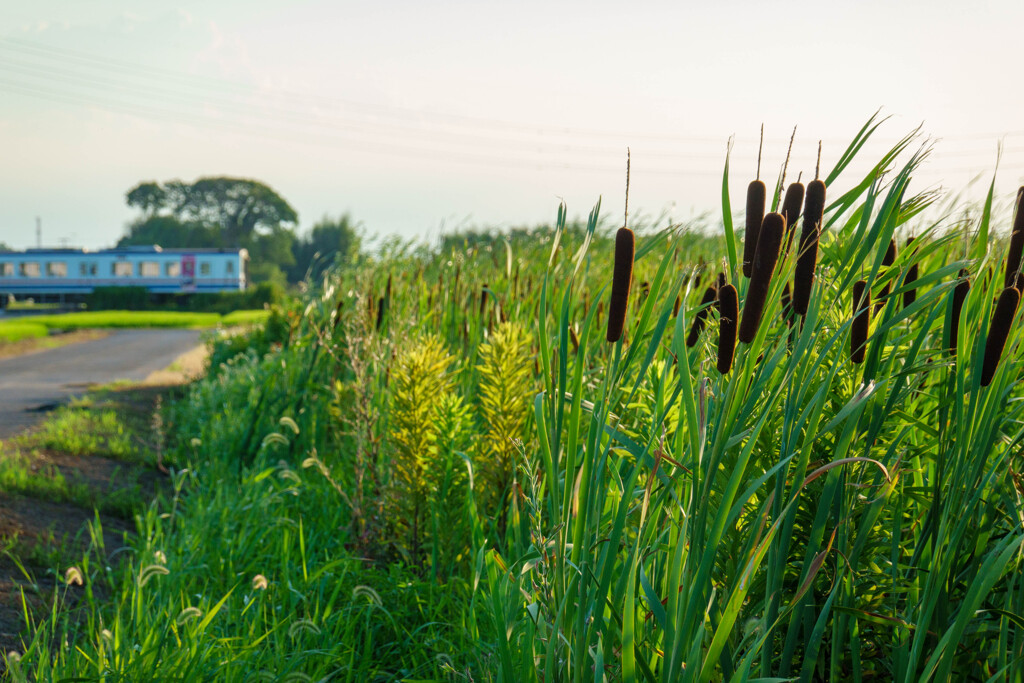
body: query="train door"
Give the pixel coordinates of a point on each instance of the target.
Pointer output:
(188, 272)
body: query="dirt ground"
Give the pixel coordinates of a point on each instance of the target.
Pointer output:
(41, 539)
(24, 346)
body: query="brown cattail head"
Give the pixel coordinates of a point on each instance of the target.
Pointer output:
(721, 281)
(675, 307)
(787, 305)
(887, 260)
(998, 332)
(910, 293)
(791, 206)
(702, 313)
(729, 311)
(337, 313)
(574, 339)
(483, 298)
(773, 230)
(387, 288)
(755, 216)
(807, 257)
(861, 318)
(1016, 247)
(625, 247)
(959, 296)
(380, 312)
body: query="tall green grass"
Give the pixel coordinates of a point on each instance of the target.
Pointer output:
(531, 502)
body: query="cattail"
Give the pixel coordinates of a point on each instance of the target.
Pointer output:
(1016, 248)
(910, 294)
(791, 210)
(768, 245)
(574, 339)
(959, 296)
(702, 313)
(787, 305)
(483, 298)
(721, 281)
(625, 244)
(861, 318)
(755, 216)
(387, 288)
(887, 260)
(807, 258)
(675, 307)
(729, 312)
(337, 313)
(998, 332)
(380, 312)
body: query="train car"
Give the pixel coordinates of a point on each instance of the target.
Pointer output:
(68, 274)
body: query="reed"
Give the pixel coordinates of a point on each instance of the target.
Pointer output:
(787, 304)
(756, 193)
(700, 317)
(773, 230)
(998, 332)
(807, 258)
(622, 277)
(861, 319)
(729, 313)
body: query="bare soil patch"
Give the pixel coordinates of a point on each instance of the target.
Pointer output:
(25, 346)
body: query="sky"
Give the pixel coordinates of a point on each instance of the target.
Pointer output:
(416, 118)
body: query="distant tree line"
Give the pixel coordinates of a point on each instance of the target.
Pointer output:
(239, 212)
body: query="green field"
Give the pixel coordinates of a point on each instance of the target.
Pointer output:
(16, 330)
(125, 319)
(439, 468)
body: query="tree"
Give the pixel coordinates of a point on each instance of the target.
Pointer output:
(217, 212)
(332, 240)
(239, 207)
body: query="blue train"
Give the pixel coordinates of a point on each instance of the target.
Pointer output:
(69, 274)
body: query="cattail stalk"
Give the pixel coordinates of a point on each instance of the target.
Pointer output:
(861, 318)
(791, 206)
(807, 258)
(959, 296)
(769, 243)
(697, 326)
(729, 312)
(999, 332)
(756, 193)
(625, 247)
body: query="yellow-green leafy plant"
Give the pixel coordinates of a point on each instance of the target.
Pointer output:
(421, 385)
(505, 403)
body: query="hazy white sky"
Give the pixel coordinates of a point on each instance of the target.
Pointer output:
(413, 115)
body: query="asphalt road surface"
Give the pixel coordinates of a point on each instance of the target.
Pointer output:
(34, 383)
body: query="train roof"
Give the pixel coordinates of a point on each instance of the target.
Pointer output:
(123, 251)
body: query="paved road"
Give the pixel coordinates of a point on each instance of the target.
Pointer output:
(30, 384)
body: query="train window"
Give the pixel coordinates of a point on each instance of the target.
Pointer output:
(122, 269)
(229, 267)
(204, 267)
(87, 269)
(149, 269)
(6, 269)
(172, 269)
(29, 269)
(57, 269)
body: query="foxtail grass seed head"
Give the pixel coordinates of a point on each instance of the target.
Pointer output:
(769, 243)
(701, 316)
(791, 206)
(807, 257)
(755, 216)
(729, 313)
(625, 248)
(910, 293)
(861, 319)
(999, 332)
